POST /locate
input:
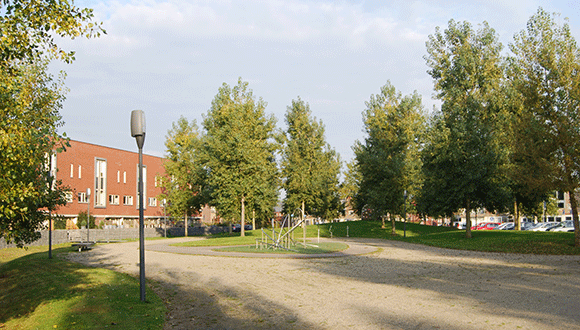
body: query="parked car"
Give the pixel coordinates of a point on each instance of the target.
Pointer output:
(238, 227)
(525, 225)
(479, 226)
(544, 226)
(506, 226)
(567, 225)
(490, 226)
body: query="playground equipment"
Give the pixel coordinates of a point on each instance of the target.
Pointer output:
(284, 237)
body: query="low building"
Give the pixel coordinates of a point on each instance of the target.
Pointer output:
(111, 176)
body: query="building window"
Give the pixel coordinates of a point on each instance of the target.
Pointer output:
(71, 170)
(100, 182)
(152, 201)
(114, 199)
(144, 185)
(82, 197)
(128, 200)
(79, 171)
(118, 176)
(68, 196)
(124, 176)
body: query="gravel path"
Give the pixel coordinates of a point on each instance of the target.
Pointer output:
(376, 284)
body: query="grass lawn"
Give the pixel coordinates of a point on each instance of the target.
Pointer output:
(508, 241)
(41, 293)
(323, 247)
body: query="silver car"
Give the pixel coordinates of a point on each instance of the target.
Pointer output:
(567, 225)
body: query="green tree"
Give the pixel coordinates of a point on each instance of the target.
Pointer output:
(30, 101)
(310, 167)
(389, 161)
(185, 178)
(239, 149)
(546, 73)
(82, 220)
(464, 163)
(349, 187)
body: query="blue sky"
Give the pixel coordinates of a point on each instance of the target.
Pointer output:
(168, 58)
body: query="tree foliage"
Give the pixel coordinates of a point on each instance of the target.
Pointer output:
(30, 101)
(239, 149)
(546, 74)
(464, 160)
(389, 161)
(184, 182)
(310, 166)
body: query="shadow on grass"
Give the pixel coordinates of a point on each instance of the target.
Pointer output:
(41, 293)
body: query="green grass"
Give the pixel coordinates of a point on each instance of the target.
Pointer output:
(508, 241)
(324, 247)
(41, 293)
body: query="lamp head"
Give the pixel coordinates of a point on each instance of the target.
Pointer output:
(138, 127)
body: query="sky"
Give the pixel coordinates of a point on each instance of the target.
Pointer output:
(169, 58)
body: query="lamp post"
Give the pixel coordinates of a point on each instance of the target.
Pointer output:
(88, 213)
(165, 216)
(138, 132)
(405, 213)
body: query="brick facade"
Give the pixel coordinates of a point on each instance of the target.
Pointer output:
(112, 176)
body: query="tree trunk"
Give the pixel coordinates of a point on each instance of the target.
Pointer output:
(185, 223)
(243, 224)
(517, 223)
(468, 221)
(303, 225)
(574, 207)
(392, 224)
(253, 219)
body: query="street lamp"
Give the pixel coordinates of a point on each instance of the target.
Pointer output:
(88, 213)
(165, 216)
(138, 132)
(405, 213)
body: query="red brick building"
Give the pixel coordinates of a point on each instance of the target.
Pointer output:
(112, 176)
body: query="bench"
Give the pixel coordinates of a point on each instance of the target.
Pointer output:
(83, 246)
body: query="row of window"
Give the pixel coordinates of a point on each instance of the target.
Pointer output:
(113, 199)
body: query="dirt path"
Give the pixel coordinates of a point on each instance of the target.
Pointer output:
(394, 286)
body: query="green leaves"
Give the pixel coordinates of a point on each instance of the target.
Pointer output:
(388, 161)
(310, 167)
(30, 101)
(238, 153)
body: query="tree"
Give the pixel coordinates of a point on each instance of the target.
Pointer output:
(546, 73)
(184, 182)
(239, 149)
(310, 167)
(464, 161)
(388, 161)
(350, 184)
(29, 109)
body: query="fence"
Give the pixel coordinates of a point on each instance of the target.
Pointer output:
(115, 234)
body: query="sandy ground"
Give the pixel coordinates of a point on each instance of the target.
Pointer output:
(377, 285)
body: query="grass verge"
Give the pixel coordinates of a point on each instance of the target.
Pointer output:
(41, 293)
(326, 247)
(507, 241)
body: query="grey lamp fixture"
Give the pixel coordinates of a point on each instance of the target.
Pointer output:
(138, 132)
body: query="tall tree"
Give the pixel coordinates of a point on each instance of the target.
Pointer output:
(30, 101)
(467, 155)
(239, 149)
(309, 166)
(185, 178)
(546, 73)
(389, 161)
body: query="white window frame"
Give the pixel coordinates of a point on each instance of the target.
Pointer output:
(152, 201)
(82, 197)
(127, 200)
(114, 199)
(100, 182)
